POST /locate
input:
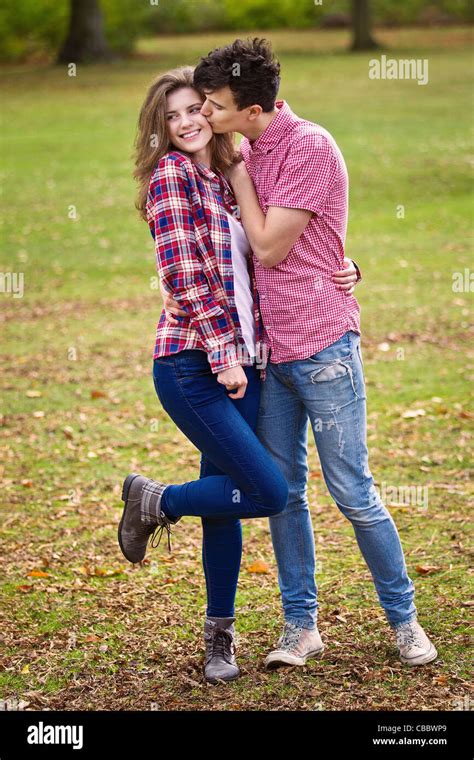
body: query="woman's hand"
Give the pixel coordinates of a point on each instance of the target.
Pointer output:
(346, 279)
(171, 307)
(234, 379)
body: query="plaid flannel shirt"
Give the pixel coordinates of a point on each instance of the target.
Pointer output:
(185, 208)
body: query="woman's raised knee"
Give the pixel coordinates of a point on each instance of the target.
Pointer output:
(276, 496)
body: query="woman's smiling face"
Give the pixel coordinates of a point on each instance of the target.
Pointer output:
(188, 129)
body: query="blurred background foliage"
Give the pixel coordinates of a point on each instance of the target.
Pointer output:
(34, 29)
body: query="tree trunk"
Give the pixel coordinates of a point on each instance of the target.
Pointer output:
(361, 26)
(85, 41)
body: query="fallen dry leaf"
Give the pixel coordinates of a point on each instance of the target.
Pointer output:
(98, 394)
(414, 413)
(258, 567)
(38, 574)
(426, 569)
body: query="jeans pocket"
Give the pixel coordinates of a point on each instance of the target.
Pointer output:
(191, 366)
(329, 385)
(340, 349)
(329, 371)
(188, 371)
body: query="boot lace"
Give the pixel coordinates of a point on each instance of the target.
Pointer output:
(158, 532)
(221, 643)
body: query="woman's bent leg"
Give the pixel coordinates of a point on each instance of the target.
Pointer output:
(253, 485)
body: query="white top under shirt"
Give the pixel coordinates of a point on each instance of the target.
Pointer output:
(242, 290)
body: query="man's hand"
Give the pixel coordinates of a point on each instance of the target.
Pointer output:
(171, 307)
(346, 279)
(236, 170)
(234, 379)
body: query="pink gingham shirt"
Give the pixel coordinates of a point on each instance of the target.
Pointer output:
(297, 164)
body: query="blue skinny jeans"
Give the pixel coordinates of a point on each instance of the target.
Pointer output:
(238, 477)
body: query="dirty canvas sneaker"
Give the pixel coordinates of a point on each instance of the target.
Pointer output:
(414, 645)
(295, 646)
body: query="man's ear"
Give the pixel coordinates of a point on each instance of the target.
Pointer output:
(254, 112)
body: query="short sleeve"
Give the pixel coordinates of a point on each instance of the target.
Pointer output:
(307, 175)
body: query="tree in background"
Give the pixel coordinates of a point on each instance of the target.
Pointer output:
(361, 26)
(34, 30)
(85, 41)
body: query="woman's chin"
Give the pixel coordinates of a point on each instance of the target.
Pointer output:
(193, 146)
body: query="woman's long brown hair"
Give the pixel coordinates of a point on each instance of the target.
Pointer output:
(152, 141)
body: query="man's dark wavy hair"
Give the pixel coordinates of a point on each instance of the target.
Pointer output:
(254, 81)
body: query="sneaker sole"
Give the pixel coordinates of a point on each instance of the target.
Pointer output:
(273, 661)
(125, 491)
(423, 659)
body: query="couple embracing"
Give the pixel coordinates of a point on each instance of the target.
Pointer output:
(259, 333)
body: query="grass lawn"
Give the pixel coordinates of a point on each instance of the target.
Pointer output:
(83, 628)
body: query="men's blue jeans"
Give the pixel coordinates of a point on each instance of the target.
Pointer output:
(238, 478)
(329, 389)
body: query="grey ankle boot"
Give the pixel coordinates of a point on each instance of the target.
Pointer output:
(220, 663)
(142, 517)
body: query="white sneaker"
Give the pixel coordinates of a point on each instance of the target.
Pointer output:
(295, 646)
(414, 645)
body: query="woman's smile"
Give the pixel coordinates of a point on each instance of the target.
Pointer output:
(190, 135)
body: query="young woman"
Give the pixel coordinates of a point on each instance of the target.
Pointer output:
(208, 360)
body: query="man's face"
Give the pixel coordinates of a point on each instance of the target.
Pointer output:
(220, 110)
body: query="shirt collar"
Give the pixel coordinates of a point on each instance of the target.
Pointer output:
(276, 129)
(202, 169)
(205, 171)
(226, 193)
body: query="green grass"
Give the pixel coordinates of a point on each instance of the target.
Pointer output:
(86, 323)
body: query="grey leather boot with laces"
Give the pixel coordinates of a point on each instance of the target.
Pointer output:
(142, 517)
(220, 662)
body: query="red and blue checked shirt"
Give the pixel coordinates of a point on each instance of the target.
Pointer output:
(297, 164)
(185, 208)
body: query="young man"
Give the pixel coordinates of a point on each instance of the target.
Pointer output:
(292, 189)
